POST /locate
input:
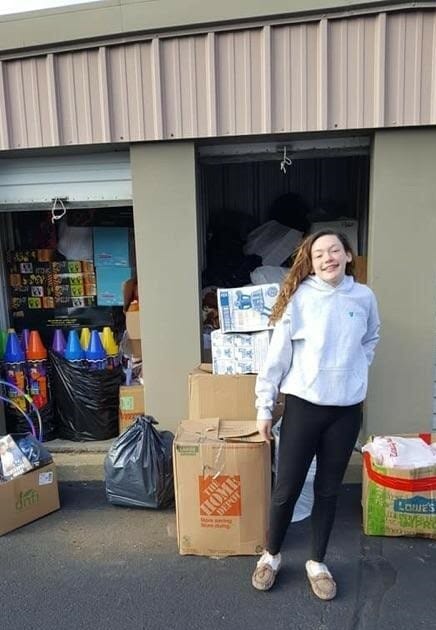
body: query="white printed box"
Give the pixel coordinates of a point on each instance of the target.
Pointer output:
(246, 309)
(239, 353)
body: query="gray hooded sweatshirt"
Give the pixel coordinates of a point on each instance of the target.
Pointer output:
(322, 346)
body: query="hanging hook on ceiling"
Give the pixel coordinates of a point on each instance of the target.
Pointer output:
(285, 162)
(58, 209)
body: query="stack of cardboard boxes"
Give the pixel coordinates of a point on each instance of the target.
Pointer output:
(132, 396)
(222, 468)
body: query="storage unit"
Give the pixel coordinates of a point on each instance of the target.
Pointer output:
(288, 188)
(215, 102)
(62, 220)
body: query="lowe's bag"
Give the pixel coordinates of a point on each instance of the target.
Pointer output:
(304, 505)
(139, 467)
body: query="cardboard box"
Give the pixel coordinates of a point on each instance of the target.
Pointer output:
(28, 498)
(397, 501)
(223, 395)
(239, 353)
(246, 309)
(130, 292)
(67, 290)
(110, 282)
(222, 476)
(17, 280)
(131, 405)
(37, 255)
(133, 327)
(67, 266)
(360, 267)
(74, 302)
(111, 247)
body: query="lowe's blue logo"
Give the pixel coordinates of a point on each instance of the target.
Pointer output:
(416, 505)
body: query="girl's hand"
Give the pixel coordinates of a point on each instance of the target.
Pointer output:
(264, 428)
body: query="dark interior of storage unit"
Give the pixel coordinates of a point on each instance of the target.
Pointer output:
(238, 195)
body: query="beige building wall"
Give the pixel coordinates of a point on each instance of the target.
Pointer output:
(165, 215)
(123, 17)
(402, 265)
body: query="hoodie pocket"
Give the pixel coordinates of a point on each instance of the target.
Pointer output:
(337, 386)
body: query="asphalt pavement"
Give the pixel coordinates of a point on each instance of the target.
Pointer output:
(92, 566)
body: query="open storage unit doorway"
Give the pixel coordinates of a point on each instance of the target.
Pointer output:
(67, 243)
(258, 200)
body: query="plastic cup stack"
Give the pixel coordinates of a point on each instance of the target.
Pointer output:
(24, 338)
(58, 344)
(15, 368)
(111, 348)
(85, 337)
(3, 341)
(95, 354)
(37, 370)
(74, 353)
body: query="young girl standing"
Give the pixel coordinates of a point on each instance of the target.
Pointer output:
(326, 330)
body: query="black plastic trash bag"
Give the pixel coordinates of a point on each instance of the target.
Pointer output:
(139, 467)
(86, 401)
(17, 423)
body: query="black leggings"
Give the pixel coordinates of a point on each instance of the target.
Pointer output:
(329, 432)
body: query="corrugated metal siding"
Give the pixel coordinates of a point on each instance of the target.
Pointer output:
(377, 70)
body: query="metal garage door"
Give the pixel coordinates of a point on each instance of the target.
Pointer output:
(94, 178)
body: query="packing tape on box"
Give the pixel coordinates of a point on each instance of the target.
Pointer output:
(397, 483)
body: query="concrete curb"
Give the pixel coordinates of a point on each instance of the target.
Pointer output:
(79, 466)
(88, 466)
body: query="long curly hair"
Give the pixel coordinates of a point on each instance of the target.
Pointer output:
(301, 267)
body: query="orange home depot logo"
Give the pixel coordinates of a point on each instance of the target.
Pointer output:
(220, 496)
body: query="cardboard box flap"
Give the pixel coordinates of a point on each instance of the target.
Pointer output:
(204, 367)
(238, 429)
(217, 429)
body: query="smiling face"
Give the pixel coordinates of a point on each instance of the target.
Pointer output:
(329, 259)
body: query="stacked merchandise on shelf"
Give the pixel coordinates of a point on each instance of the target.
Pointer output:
(37, 281)
(28, 279)
(222, 467)
(241, 344)
(73, 283)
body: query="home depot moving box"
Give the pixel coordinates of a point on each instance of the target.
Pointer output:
(360, 268)
(399, 501)
(229, 396)
(28, 497)
(131, 405)
(131, 310)
(222, 477)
